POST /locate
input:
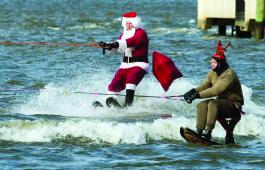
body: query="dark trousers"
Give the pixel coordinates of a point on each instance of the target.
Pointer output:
(208, 111)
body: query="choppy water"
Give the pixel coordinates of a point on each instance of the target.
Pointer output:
(55, 128)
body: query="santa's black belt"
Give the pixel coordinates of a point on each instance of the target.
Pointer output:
(135, 59)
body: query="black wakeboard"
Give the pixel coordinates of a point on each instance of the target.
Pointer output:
(193, 137)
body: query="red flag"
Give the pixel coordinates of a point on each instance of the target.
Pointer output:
(164, 70)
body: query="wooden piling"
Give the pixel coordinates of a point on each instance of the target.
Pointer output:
(222, 30)
(247, 17)
(260, 15)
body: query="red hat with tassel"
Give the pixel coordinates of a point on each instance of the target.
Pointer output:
(219, 54)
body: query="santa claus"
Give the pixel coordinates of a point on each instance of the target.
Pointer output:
(133, 44)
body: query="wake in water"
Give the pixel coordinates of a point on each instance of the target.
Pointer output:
(134, 125)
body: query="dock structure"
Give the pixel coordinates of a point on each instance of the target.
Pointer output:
(246, 17)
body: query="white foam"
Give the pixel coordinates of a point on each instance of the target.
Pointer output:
(175, 30)
(60, 100)
(54, 28)
(112, 132)
(97, 131)
(85, 26)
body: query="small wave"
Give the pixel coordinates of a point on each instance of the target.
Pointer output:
(96, 131)
(175, 30)
(54, 28)
(85, 26)
(14, 82)
(82, 130)
(38, 85)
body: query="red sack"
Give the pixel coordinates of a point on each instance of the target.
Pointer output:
(164, 70)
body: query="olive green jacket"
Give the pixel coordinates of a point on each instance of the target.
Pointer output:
(225, 86)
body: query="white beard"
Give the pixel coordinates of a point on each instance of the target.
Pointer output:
(128, 34)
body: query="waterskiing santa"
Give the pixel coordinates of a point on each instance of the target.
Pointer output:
(133, 44)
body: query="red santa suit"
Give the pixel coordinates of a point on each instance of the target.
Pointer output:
(133, 45)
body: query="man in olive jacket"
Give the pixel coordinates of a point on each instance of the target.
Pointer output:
(223, 83)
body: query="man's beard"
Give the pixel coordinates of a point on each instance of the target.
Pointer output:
(221, 67)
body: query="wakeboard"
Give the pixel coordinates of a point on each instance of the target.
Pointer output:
(193, 137)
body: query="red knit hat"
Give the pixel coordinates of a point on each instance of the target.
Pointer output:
(220, 52)
(132, 14)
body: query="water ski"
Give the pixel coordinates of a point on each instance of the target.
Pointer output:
(110, 102)
(193, 137)
(97, 104)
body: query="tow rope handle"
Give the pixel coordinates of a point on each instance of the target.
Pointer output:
(104, 46)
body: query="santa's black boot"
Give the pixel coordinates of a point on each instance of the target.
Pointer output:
(129, 98)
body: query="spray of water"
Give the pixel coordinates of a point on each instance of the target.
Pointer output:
(81, 119)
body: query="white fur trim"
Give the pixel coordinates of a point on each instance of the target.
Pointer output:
(122, 45)
(112, 92)
(142, 65)
(136, 21)
(131, 86)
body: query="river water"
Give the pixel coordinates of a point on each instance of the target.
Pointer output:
(44, 124)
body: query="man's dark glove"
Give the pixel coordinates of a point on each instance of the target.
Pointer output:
(108, 46)
(191, 95)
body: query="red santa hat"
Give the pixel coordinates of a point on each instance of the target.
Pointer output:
(133, 18)
(132, 14)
